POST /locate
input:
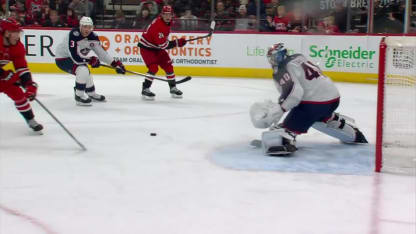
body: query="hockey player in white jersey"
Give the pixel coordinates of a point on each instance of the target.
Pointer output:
(309, 97)
(72, 56)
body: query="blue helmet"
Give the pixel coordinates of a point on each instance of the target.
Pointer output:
(276, 54)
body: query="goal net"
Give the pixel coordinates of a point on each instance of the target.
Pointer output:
(396, 107)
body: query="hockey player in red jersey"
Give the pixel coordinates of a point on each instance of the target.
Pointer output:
(309, 97)
(11, 83)
(153, 45)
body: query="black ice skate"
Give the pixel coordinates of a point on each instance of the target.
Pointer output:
(35, 126)
(147, 94)
(83, 101)
(96, 97)
(175, 92)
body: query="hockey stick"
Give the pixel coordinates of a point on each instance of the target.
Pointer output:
(59, 122)
(211, 30)
(151, 76)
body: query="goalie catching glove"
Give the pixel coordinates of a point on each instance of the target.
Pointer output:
(264, 114)
(120, 69)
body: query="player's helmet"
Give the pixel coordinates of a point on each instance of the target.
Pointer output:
(9, 24)
(276, 54)
(86, 21)
(167, 9)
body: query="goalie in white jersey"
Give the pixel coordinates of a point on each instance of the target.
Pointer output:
(72, 57)
(309, 97)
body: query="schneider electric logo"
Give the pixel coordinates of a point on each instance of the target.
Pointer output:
(353, 57)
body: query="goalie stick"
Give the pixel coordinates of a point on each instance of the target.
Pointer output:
(151, 76)
(211, 30)
(59, 122)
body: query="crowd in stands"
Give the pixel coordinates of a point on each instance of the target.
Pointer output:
(230, 15)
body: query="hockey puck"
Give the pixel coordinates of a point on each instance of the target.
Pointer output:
(152, 134)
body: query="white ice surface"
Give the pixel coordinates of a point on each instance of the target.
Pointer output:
(197, 175)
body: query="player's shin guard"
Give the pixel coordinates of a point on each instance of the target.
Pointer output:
(342, 129)
(278, 142)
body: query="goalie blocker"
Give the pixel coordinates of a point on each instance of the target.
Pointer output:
(310, 99)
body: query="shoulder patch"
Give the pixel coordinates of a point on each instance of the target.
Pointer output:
(76, 33)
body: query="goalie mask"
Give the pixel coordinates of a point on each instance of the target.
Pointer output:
(276, 54)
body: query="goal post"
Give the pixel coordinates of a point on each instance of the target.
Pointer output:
(396, 106)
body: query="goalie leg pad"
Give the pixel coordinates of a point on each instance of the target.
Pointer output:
(278, 143)
(341, 128)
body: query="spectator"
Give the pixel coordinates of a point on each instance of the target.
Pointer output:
(252, 8)
(120, 20)
(222, 18)
(252, 23)
(328, 25)
(143, 19)
(281, 21)
(179, 5)
(230, 6)
(387, 23)
(273, 4)
(59, 5)
(34, 7)
(38, 15)
(268, 24)
(189, 21)
(18, 6)
(54, 20)
(242, 21)
(341, 16)
(202, 9)
(151, 6)
(44, 15)
(4, 13)
(19, 17)
(70, 19)
(296, 23)
(80, 7)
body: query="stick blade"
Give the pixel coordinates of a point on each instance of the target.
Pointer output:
(212, 27)
(184, 80)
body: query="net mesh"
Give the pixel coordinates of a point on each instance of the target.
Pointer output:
(399, 124)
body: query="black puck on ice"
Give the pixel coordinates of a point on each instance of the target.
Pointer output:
(152, 134)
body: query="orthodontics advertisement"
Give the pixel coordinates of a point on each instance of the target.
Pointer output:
(352, 54)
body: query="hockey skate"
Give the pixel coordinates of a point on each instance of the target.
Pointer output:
(35, 126)
(175, 92)
(147, 94)
(96, 97)
(83, 100)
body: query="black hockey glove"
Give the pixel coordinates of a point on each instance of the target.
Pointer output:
(120, 69)
(94, 62)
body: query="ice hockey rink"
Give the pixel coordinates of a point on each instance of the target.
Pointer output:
(198, 175)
